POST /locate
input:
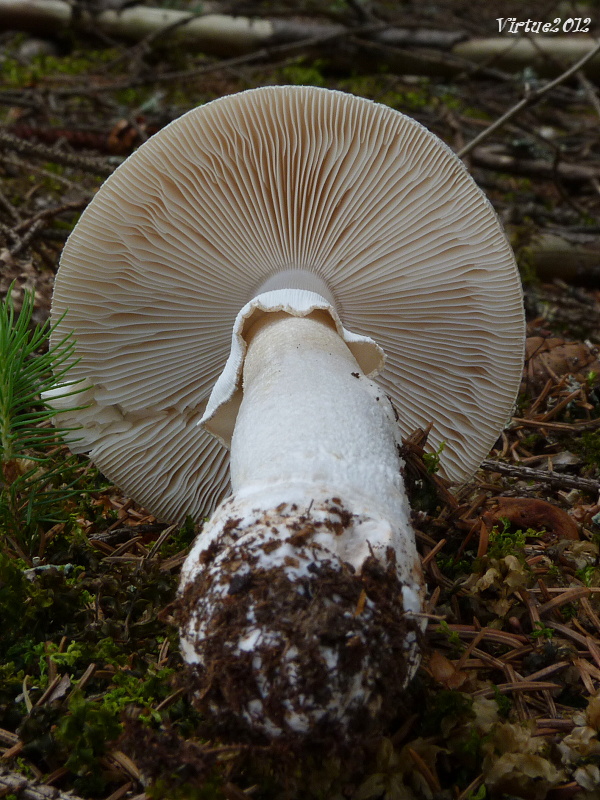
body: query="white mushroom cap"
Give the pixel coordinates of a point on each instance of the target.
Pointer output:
(278, 188)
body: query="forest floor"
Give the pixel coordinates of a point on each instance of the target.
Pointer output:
(507, 700)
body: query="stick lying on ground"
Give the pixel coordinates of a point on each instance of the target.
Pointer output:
(227, 35)
(218, 34)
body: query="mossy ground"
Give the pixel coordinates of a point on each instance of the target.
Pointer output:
(506, 702)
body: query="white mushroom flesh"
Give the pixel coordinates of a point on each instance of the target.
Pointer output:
(308, 575)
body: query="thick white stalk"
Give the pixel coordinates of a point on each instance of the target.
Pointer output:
(311, 422)
(300, 599)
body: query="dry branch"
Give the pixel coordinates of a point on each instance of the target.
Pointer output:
(572, 258)
(245, 59)
(94, 165)
(544, 54)
(226, 35)
(217, 34)
(555, 478)
(495, 158)
(27, 789)
(590, 53)
(212, 31)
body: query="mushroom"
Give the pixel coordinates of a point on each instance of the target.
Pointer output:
(273, 274)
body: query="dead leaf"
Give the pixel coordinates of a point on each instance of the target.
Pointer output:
(522, 774)
(582, 742)
(593, 713)
(553, 358)
(444, 671)
(486, 714)
(123, 138)
(528, 512)
(588, 777)
(60, 690)
(514, 763)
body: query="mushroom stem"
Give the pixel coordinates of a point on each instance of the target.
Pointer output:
(298, 600)
(310, 419)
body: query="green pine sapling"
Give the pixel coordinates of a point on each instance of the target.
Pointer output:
(33, 485)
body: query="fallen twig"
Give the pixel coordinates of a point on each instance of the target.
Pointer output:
(23, 242)
(48, 213)
(94, 165)
(9, 207)
(494, 158)
(489, 634)
(517, 686)
(217, 34)
(10, 98)
(265, 53)
(568, 596)
(530, 99)
(545, 54)
(27, 789)
(554, 478)
(587, 425)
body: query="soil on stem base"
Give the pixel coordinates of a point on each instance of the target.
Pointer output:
(290, 641)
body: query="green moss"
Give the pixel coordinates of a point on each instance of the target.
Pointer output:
(588, 447)
(180, 540)
(503, 702)
(541, 631)
(388, 90)
(38, 612)
(43, 67)
(304, 73)
(452, 636)
(132, 96)
(33, 610)
(589, 576)
(480, 794)
(85, 731)
(446, 704)
(526, 264)
(531, 440)
(452, 567)
(505, 541)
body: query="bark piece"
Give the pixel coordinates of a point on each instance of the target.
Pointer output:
(547, 55)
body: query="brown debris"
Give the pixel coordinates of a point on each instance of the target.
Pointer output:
(162, 753)
(16, 784)
(553, 357)
(315, 634)
(529, 512)
(550, 635)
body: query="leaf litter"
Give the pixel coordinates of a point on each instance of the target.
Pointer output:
(93, 699)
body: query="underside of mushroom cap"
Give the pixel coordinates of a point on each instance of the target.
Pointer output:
(234, 196)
